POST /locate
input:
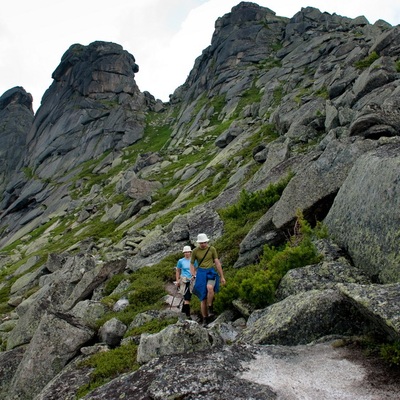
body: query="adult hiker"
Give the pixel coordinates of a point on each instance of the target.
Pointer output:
(184, 278)
(209, 275)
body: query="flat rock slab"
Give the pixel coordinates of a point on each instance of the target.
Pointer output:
(322, 371)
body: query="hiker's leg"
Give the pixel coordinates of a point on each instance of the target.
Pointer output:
(186, 309)
(187, 296)
(204, 308)
(210, 293)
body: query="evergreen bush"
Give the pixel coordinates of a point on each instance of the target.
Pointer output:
(390, 352)
(367, 61)
(256, 284)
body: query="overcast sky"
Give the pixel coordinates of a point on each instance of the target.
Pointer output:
(165, 36)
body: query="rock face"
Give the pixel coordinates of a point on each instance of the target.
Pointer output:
(16, 117)
(205, 374)
(105, 180)
(100, 79)
(93, 106)
(56, 341)
(370, 195)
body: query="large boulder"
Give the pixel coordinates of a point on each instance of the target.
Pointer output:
(201, 375)
(112, 332)
(66, 384)
(9, 361)
(379, 303)
(364, 218)
(56, 341)
(313, 188)
(183, 337)
(74, 279)
(378, 115)
(303, 318)
(325, 275)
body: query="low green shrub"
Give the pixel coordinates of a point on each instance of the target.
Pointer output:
(230, 291)
(153, 326)
(240, 217)
(259, 289)
(112, 283)
(390, 352)
(259, 201)
(256, 284)
(146, 292)
(107, 365)
(367, 61)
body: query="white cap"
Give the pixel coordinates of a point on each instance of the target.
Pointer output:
(202, 237)
(186, 248)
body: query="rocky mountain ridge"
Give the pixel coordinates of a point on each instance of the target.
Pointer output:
(105, 180)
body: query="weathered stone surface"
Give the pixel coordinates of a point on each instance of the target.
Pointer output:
(379, 117)
(262, 232)
(183, 337)
(9, 361)
(157, 243)
(16, 117)
(73, 280)
(27, 281)
(56, 341)
(325, 176)
(226, 137)
(188, 375)
(91, 279)
(47, 299)
(381, 72)
(89, 312)
(371, 196)
(66, 384)
(303, 318)
(388, 42)
(112, 332)
(325, 275)
(151, 315)
(379, 303)
(28, 265)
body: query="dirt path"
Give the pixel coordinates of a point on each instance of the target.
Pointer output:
(174, 298)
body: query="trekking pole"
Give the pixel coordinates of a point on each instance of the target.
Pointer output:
(173, 298)
(183, 296)
(180, 303)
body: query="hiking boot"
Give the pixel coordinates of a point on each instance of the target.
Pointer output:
(210, 311)
(205, 321)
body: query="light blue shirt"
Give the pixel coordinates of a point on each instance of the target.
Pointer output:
(184, 265)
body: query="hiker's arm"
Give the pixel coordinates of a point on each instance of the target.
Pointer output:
(192, 269)
(178, 272)
(220, 271)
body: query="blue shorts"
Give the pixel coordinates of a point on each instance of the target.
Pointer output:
(204, 276)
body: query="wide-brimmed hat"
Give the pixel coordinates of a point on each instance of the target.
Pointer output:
(186, 249)
(202, 237)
